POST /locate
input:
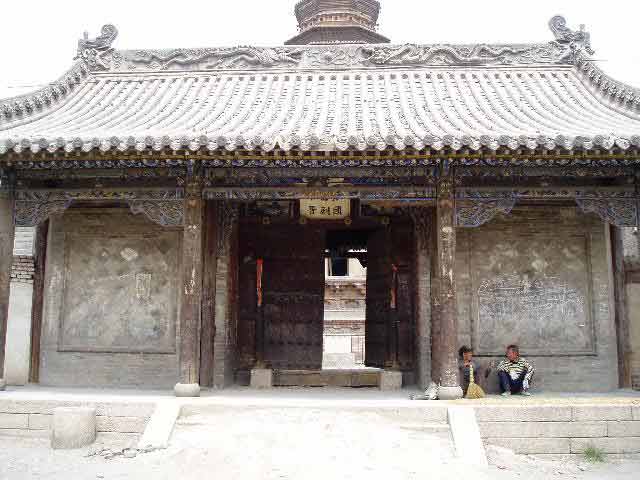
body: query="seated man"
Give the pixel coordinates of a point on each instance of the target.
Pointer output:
(515, 373)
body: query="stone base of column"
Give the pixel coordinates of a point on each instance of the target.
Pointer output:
(3, 384)
(187, 390)
(390, 380)
(449, 393)
(261, 378)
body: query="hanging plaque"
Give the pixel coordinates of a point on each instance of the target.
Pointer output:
(325, 209)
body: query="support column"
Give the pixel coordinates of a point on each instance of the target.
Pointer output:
(446, 294)
(620, 310)
(40, 261)
(422, 218)
(6, 258)
(191, 305)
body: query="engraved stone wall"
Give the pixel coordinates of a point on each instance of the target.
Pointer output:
(111, 300)
(539, 278)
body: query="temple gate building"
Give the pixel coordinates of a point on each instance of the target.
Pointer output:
(187, 200)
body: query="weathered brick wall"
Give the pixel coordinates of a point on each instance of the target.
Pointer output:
(22, 269)
(111, 301)
(540, 277)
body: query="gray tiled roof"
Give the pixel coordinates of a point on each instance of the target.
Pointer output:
(327, 98)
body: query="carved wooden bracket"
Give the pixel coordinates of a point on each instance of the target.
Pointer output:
(164, 207)
(227, 216)
(621, 212)
(477, 208)
(33, 207)
(422, 219)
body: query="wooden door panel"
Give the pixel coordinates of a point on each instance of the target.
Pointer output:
(378, 299)
(402, 254)
(292, 292)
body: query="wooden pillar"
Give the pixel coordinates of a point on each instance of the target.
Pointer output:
(422, 218)
(620, 310)
(191, 305)
(6, 257)
(446, 294)
(208, 329)
(40, 260)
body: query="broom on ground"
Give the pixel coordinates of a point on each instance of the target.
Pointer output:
(474, 390)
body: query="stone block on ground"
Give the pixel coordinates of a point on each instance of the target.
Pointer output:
(73, 427)
(533, 446)
(14, 420)
(517, 413)
(160, 426)
(543, 429)
(261, 378)
(619, 445)
(623, 429)
(390, 380)
(602, 412)
(38, 421)
(466, 436)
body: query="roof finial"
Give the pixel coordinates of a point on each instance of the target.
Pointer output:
(577, 40)
(108, 34)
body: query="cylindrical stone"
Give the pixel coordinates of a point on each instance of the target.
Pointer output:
(186, 390)
(73, 427)
(450, 393)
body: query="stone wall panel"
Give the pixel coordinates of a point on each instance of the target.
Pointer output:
(539, 277)
(111, 301)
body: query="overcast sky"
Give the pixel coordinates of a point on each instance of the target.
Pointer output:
(38, 38)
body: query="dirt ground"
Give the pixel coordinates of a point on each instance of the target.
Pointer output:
(295, 444)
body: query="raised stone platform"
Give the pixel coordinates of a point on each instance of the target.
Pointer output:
(544, 424)
(326, 378)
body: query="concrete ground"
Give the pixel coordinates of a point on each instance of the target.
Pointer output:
(283, 434)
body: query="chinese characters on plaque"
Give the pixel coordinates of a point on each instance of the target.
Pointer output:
(325, 209)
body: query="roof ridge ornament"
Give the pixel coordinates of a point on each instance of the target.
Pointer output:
(108, 34)
(96, 52)
(578, 40)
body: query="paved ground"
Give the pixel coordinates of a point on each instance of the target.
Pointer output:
(273, 443)
(307, 396)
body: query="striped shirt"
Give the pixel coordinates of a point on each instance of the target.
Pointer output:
(517, 368)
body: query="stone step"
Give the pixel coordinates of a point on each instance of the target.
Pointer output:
(326, 378)
(422, 415)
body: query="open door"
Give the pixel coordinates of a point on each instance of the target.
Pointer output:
(379, 282)
(389, 324)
